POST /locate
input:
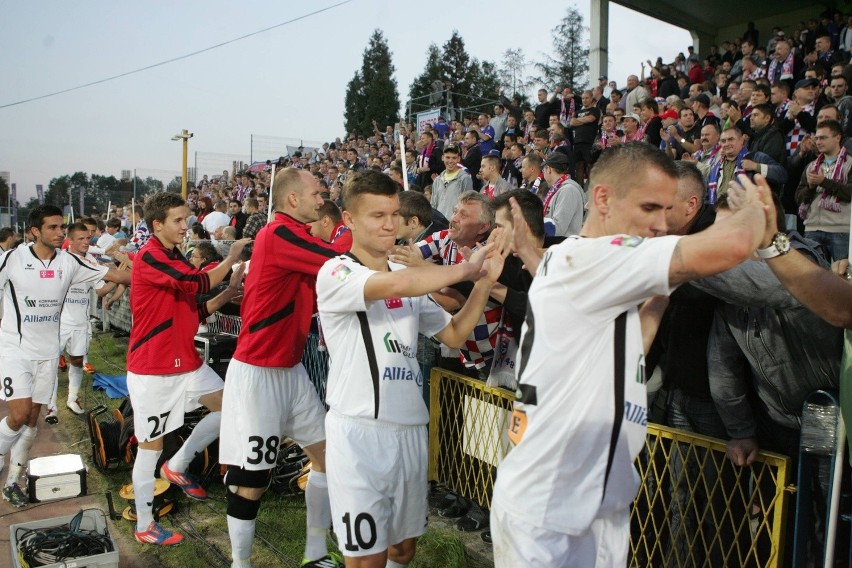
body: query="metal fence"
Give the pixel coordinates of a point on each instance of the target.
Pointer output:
(693, 508)
(264, 147)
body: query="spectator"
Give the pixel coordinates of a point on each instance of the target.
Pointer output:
(140, 235)
(494, 184)
(256, 217)
(533, 181)
(217, 218)
(563, 202)
(764, 136)
(472, 159)
(330, 227)
(451, 183)
(543, 109)
(824, 193)
(428, 164)
(735, 159)
(486, 134)
(635, 94)
(416, 221)
(237, 217)
(205, 207)
(584, 124)
(499, 121)
(785, 64)
(204, 256)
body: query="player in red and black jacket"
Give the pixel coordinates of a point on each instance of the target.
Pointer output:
(166, 376)
(267, 390)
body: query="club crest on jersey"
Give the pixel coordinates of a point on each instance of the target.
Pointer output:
(627, 241)
(393, 303)
(341, 272)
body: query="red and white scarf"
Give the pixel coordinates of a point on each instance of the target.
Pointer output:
(552, 192)
(566, 113)
(826, 201)
(786, 69)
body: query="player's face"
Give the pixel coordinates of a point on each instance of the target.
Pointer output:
(78, 242)
(375, 222)
(52, 232)
(642, 211)
(308, 200)
(172, 231)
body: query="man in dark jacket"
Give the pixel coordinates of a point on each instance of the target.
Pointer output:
(765, 137)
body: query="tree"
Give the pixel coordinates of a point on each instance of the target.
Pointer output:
(372, 93)
(102, 191)
(59, 187)
(569, 64)
(456, 68)
(513, 71)
(353, 108)
(422, 84)
(486, 80)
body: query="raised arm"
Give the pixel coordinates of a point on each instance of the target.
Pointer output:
(725, 244)
(818, 289)
(423, 279)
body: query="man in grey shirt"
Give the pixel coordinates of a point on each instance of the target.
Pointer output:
(564, 201)
(451, 183)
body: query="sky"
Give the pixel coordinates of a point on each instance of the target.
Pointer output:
(288, 82)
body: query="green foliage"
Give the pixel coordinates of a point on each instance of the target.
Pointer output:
(569, 64)
(468, 79)
(372, 93)
(512, 73)
(422, 84)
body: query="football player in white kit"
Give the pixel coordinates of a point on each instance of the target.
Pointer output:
(75, 331)
(371, 311)
(34, 280)
(562, 495)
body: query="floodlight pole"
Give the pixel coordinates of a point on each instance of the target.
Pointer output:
(185, 135)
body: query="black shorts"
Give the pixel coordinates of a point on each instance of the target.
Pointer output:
(583, 153)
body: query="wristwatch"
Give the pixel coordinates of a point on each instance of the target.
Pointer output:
(780, 245)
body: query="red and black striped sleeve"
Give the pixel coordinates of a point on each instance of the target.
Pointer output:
(169, 270)
(305, 253)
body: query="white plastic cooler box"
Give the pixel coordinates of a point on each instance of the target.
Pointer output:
(56, 477)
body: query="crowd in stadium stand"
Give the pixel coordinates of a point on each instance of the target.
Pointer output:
(738, 353)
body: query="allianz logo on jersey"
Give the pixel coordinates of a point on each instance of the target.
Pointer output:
(395, 346)
(33, 303)
(635, 413)
(402, 374)
(29, 318)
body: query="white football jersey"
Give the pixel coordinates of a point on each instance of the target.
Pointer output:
(372, 346)
(33, 295)
(562, 470)
(75, 312)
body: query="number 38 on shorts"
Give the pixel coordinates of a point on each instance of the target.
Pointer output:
(261, 450)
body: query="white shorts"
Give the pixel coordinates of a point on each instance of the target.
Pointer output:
(160, 401)
(376, 482)
(22, 378)
(75, 340)
(261, 404)
(517, 543)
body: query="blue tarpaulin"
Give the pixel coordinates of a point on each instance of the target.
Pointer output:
(115, 386)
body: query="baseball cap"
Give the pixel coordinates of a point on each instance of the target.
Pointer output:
(632, 115)
(671, 113)
(701, 98)
(602, 78)
(557, 161)
(806, 83)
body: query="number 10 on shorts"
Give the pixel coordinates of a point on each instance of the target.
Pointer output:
(363, 527)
